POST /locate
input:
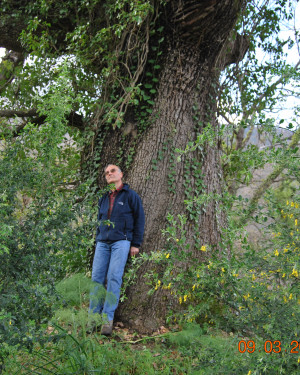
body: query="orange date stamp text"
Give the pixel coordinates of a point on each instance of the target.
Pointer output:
(268, 347)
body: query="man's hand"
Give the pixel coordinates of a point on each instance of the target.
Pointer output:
(134, 251)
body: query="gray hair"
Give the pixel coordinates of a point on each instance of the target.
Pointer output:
(114, 165)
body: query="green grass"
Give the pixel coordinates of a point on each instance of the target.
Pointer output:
(190, 351)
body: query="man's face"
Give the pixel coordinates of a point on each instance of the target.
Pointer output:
(113, 175)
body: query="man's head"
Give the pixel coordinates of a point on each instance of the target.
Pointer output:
(113, 174)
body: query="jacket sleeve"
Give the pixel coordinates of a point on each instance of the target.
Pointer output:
(98, 215)
(138, 219)
(99, 205)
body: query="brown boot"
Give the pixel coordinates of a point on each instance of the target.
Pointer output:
(107, 328)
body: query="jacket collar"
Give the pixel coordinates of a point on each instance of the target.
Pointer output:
(124, 187)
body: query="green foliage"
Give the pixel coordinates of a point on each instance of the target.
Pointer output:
(75, 293)
(253, 292)
(130, 275)
(254, 91)
(75, 290)
(45, 233)
(254, 79)
(97, 34)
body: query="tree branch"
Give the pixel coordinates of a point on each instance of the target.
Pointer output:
(7, 67)
(18, 113)
(260, 191)
(255, 107)
(74, 119)
(235, 49)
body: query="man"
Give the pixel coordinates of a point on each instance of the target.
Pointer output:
(121, 229)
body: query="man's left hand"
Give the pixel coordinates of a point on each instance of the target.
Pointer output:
(134, 251)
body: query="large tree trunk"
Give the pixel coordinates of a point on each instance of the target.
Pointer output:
(175, 127)
(185, 104)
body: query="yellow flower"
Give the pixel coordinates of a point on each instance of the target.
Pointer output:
(276, 253)
(180, 300)
(291, 296)
(253, 277)
(198, 275)
(10, 323)
(168, 286)
(203, 248)
(246, 297)
(284, 298)
(249, 373)
(296, 205)
(295, 273)
(177, 240)
(235, 274)
(292, 204)
(223, 269)
(285, 250)
(168, 255)
(185, 298)
(157, 284)
(287, 203)
(194, 286)
(296, 222)
(283, 275)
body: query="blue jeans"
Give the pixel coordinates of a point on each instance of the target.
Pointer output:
(109, 263)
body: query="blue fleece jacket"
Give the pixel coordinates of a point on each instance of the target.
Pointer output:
(127, 216)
